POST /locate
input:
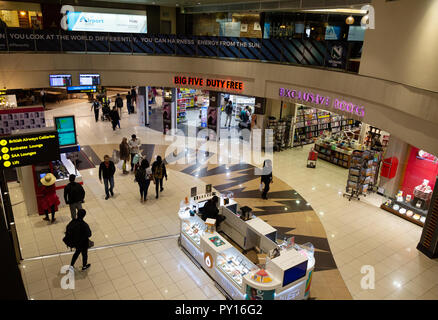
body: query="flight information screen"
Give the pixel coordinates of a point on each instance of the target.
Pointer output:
(60, 80)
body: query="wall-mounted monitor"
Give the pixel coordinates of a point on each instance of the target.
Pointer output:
(60, 80)
(89, 79)
(66, 128)
(294, 273)
(332, 33)
(356, 33)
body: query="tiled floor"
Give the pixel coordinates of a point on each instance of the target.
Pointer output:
(359, 233)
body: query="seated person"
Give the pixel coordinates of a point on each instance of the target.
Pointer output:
(211, 211)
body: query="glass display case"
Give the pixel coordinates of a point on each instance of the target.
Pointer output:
(194, 228)
(234, 265)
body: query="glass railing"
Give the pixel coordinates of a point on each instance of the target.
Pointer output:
(326, 54)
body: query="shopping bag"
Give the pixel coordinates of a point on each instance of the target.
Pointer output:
(261, 186)
(120, 165)
(115, 156)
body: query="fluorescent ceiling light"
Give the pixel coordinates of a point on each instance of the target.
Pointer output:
(338, 10)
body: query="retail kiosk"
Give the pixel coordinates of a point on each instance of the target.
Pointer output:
(61, 169)
(285, 273)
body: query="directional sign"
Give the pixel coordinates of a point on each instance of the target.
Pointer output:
(27, 149)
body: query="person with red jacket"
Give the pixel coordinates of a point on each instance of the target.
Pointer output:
(50, 200)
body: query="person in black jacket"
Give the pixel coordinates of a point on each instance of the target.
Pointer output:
(211, 211)
(119, 104)
(107, 170)
(115, 119)
(74, 196)
(266, 178)
(158, 172)
(81, 234)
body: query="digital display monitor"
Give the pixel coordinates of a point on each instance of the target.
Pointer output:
(89, 79)
(66, 128)
(299, 27)
(82, 89)
(332, 33)
(294, 273)
(356, 33)
(60, 80)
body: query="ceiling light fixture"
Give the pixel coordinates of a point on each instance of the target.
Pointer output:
(349, 20)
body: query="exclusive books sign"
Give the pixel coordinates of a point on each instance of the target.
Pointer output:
(24, 149)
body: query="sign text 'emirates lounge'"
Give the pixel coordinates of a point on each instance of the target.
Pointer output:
(321, 100)
(209, 83)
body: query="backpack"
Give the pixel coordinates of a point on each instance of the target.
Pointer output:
(158, 174)
(72, 234)
(244, 116)
(229, 109)
(119, 102)
(140, 175)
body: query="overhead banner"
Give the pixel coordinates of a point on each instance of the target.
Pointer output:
(106, 22)
(329, 53)
(26, 149)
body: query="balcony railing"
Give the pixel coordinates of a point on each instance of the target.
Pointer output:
(327, 54)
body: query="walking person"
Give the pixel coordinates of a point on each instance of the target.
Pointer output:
(43, 98)
(142, 176)
(115, 118)
(106, 171)
(266, 178)
(74, 195)
(229, 112)
(134, 98)
(96, 106)
(50, 200)
(80, 233)
(158, 172)
(119, 104)
(128, 102)
(124, 154)
(134, 148)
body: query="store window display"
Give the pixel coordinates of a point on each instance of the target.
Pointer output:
(412, 200)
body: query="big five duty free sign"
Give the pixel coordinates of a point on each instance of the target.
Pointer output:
(27, 149)
(209, 83)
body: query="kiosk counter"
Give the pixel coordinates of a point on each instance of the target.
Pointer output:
(285, 273)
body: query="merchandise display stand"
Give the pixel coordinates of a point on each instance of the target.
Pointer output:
(284, 275)
(362, 172)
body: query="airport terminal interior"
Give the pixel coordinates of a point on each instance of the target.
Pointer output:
(254, 150)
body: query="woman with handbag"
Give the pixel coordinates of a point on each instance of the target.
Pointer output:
(124, 154)
(50, 200)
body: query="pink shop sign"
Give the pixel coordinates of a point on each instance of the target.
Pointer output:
(320, 100)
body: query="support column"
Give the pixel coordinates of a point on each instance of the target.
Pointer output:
(143, 105)
(12, 282)
(429, 238)
(173, 106)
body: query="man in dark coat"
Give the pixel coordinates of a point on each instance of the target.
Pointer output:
(81, 233)
(74, 195)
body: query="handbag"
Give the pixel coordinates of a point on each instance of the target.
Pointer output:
(261, 186)
(90, 243)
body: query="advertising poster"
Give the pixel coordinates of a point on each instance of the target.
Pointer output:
(106, 22)
(336, 54)
(167, 117)
(332, 33)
